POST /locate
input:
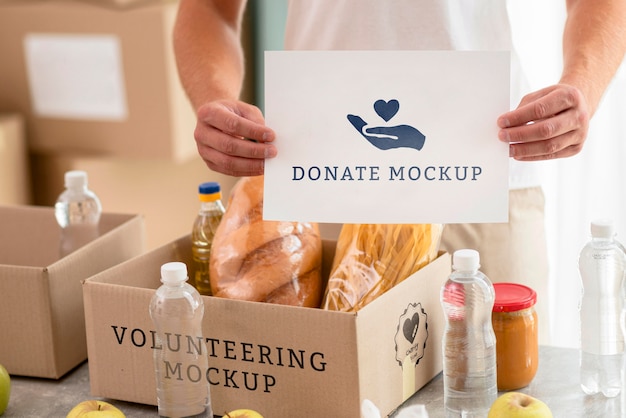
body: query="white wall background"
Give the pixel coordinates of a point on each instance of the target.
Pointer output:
(582, 188)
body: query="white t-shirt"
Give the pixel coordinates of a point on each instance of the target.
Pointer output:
(479, 25)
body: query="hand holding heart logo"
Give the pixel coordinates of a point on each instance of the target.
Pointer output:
(388, 137)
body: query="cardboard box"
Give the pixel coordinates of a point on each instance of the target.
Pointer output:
(41, 304)
(94, 79)
(165, 193)
(14, 166)
(282, 361)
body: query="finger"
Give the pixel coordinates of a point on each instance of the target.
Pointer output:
(541, 105)
(543, 129)
(564, 153)
(231, 165)
(240, 120)
(235, 146)
(562, 146)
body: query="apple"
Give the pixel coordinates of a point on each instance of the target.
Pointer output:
(518, 405)
(5, 389)
(243, 413)
(95, 409)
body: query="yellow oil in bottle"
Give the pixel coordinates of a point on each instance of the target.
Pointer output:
(203, 231)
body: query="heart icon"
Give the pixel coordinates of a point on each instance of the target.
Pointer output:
(386, 110)
(410, 327)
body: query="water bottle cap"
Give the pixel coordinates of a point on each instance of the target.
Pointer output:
(465, 260)
(511, 297)
(602, 229)
(209, 191)
(75, 179)
(174, 272)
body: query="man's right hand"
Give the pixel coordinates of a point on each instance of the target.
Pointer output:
(232, 138)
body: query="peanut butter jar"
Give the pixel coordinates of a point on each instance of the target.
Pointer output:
(515, 325)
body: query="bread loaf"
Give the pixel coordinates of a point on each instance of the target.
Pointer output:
(371, 259)
(264, 261)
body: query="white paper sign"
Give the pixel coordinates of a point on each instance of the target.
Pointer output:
(76, 76)
(386, 136)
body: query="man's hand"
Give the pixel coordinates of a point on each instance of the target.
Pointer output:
(550, 123)
(232, 138)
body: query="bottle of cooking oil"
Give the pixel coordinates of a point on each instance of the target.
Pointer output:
(204, 227)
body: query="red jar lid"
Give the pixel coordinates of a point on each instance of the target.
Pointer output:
(511, 297)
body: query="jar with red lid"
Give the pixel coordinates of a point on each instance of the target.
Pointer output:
(515, 324)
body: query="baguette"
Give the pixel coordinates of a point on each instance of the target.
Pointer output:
(264, 261)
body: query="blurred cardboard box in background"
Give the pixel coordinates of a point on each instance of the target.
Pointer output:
(165, 193)
(14, 164)
(41, 304)
(95, 80)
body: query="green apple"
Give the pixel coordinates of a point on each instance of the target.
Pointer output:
(95, 409)
(518, 405)
(5, 389)
(243, 413)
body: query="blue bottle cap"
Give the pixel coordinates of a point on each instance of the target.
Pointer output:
(209, 187)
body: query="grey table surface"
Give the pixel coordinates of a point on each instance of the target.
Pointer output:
(556, 383)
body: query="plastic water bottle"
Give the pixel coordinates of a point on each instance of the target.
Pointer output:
(77, 211)
(204, 227)
(469, 344)
(180, 354)
(602, 264)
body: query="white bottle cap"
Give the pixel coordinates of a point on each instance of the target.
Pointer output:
(174, 272)
(466, 260)
(75, 179)
(602, 229)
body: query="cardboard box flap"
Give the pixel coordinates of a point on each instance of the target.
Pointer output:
(29, 288)
(110, 225)
(149, 266)
(408, 336)
(28, 246)
(23, 243)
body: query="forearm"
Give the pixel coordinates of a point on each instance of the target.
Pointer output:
(594, 43)
(208, 49)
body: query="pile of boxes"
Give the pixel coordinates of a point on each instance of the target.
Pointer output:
(93, 85)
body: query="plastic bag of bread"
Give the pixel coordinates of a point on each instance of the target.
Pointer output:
(264, 261)
(371, 259)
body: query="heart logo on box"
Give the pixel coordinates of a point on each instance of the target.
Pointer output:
(411, 334)
(410, 327)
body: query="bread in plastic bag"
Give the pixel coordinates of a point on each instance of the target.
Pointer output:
(372, 258)
(264, 261)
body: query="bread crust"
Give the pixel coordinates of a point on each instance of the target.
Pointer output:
(264, 261)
